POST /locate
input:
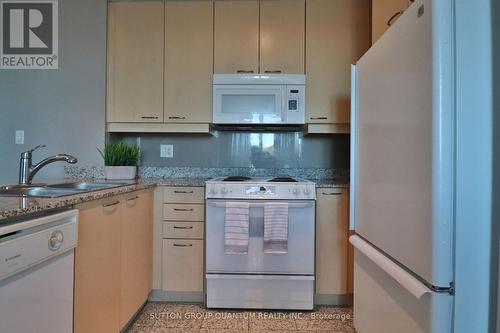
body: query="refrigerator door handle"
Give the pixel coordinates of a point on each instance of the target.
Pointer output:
(352, 192)
(406, 280)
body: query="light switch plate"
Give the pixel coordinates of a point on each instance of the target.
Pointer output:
(167, 151)
(19, 137)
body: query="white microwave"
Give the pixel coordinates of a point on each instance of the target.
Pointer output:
(259, 99)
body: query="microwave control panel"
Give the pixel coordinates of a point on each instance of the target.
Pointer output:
(293, 99)
(295, 103)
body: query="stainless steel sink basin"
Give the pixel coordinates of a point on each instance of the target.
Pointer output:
(55, 190)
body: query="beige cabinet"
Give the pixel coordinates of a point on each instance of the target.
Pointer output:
(188, 61)
(135, 62)
(332, 247)
(182, 234)
(384, 13)
(113, 261)
(97, 267)
(337, 35)
(282, 36)
(266, 36)
(136, 253)
(183, 265)
(236, 37)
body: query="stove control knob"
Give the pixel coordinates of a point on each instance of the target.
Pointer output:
(296, 191)
(307, 191)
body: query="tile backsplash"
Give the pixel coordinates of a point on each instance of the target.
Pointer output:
(244, 150)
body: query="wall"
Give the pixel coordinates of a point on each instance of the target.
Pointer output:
(245, 149)
(63, 108)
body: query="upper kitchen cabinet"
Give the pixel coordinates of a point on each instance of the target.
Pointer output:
(282, 36)
(236, 37)
(135, 62)
(266, 36)
(337, 34)
(188, 61)
(384, 14)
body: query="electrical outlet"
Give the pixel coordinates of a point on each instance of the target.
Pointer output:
(19, 137)
(167, 151)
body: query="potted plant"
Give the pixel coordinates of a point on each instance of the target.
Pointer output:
(120, 160)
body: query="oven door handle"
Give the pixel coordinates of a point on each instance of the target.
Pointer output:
(222, 204)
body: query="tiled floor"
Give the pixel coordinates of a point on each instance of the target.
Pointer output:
(174, 317)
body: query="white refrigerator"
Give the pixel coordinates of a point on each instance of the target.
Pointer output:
(402, 174)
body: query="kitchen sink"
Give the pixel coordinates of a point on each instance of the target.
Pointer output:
(55, 190)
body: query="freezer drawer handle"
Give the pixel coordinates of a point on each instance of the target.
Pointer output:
(406, 280)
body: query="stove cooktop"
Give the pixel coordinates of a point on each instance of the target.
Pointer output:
(243, 179)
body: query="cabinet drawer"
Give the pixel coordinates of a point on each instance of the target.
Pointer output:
(181, 212)
(182, 265)
(184, 195)
(193, 230)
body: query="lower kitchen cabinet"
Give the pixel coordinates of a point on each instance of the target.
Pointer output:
(180, 235)
(97, 267)
(332, 245)
(183, 265)
(136, 255)
(112, 261)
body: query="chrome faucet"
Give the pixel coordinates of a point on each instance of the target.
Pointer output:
(27, 170)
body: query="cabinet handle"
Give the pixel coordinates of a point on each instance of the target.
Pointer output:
(183, 209)
(183, 192)
(111, 204)
(331, 193)
(243, 71)
(149, 117)
(273, 72)
(183, 245)
(176, 227)
(319, 118)
(176, 117)
(393, 18)
(130, 199)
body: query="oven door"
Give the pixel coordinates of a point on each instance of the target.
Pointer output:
(298, 260)
(248, 104)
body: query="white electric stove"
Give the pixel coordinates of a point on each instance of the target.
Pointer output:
(256, 279)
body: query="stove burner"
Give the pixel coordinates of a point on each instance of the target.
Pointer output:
(236, 179)
(283, 180)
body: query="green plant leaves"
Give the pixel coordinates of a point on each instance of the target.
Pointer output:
(120, 154)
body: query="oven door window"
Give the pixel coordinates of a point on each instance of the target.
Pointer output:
(248, 104)
(298, 260)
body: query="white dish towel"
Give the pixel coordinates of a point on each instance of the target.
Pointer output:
(236, 228)
(276, 227)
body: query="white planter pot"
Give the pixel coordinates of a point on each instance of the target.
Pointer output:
(120, 172)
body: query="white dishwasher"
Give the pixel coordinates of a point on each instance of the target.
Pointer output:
(36, 274)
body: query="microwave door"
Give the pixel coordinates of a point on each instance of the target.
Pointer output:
(248, 104)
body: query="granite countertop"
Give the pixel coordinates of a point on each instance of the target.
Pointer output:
(13, 207)
(331, 183)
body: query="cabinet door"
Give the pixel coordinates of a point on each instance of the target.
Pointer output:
(182, 265)
(188, 61)
(97, 267)
(332, 231)
(236, 37)
(382, 12)
(135, 62)
(282, 36)
(338, 34)
(136, 253)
